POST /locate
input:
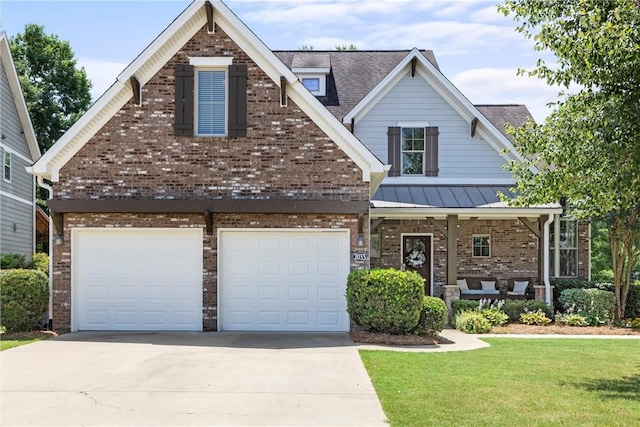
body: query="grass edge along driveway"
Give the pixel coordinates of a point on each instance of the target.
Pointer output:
(523, 382)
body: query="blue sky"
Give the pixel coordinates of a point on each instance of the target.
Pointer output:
(477, 47)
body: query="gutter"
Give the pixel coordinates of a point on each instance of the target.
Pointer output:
(50, 191)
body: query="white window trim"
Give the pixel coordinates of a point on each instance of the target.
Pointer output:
(322, 78)
(4, 166)
(424, 151)
(555, 249)
(413, 124)
(473, 246)
(206, 61)
(225, 69)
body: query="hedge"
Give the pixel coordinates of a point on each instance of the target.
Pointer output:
(632, 309)
(24, 298)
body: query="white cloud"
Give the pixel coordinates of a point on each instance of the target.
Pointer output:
(489, 14)
(101, 73)
(503, 86)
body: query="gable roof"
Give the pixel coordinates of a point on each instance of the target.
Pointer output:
(501, 114)
(354, 73)
(162, 49)
(18, 97)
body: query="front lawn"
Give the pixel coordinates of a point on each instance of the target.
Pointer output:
(515, 382)
(8, 340)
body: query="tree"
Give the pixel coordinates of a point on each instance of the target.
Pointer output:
(343, 47)
(56, 91)
(588, 150)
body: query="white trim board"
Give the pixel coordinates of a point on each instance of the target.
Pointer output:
(16, 198)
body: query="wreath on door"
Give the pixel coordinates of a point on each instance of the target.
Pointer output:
(416, 258)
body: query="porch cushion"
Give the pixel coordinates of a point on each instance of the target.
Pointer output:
(462, 284)
(519, 287)
(488, 285)
(479, 292)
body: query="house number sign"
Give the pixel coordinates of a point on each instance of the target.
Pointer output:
(360, 256)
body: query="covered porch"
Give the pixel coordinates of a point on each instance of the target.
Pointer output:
(464, 232)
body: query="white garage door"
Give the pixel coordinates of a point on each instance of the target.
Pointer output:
(283, 280)
(137, 279)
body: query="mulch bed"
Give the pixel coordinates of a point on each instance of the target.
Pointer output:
(359, 335)
(27, 335)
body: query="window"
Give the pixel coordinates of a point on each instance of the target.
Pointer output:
(211, 102)
(6, 162)
(564, 238)
(312, 84)
(413, 151)
(481, 246)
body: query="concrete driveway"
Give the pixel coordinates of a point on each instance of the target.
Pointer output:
(175, 379)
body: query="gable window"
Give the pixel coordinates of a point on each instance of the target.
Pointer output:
(481, 246)
(564, 236)
(211, 103)
(313, 84)
(413, 150)
(6, 166)
(210, 97)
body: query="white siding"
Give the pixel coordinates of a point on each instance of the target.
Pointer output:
(460, 156)
(22, 183)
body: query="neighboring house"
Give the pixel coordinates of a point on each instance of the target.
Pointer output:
(18, 150)
(218, 185)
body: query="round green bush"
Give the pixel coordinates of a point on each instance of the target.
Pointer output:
(385, 300)
(41, 262)
(24, 298)
(433, 317)
(471, 322)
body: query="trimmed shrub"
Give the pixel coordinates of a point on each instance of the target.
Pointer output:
(459, 305)
(13, 261)
(24, 298)
(537, 317)
(385, 300)
(632, 308)
(595, 305)
(514, 308)
(471, 322)
(41, 262)
(433, 317)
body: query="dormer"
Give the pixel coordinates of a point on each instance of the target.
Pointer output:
(312, 68)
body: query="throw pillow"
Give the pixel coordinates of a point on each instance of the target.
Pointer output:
(520, 287)
(462, 284)
(488, 285)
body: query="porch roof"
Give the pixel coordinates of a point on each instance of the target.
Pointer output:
(473, 200)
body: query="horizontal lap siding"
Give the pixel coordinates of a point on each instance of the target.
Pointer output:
(460, 155)
(10, 125)
(22, 182)
(20, 214)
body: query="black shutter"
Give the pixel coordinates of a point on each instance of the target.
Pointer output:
(394, 159)
(237, 124)
(183, 117)
(431, 150)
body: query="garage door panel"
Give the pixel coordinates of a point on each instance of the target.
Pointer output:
(297, 288)
(134, 280)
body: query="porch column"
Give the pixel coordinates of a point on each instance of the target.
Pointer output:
(543, 249)
(452, 249)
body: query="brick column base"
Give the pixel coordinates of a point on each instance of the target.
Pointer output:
(540, 293)
(451, 293)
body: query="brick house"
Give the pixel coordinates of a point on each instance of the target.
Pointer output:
(218, 185)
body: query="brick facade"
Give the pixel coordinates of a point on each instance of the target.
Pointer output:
(136, 155)
(514, 249)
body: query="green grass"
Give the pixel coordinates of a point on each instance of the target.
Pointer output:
(8, 341)
(515, 382)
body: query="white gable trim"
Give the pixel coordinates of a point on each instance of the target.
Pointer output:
(161, 50)
(447, 90)
(18, 97)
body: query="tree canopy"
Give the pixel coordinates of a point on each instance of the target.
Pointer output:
(588, 150)
(56, 91)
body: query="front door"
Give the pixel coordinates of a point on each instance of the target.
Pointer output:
(416, 256)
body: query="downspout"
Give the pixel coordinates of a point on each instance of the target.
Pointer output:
(547, 283)
(50, 191)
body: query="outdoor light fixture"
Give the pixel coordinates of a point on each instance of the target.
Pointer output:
(59, 239)
(15, 227)
(360, 230)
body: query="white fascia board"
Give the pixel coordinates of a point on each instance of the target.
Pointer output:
(311, 70)
(18, 97)
(464, 213)
(436, 180)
